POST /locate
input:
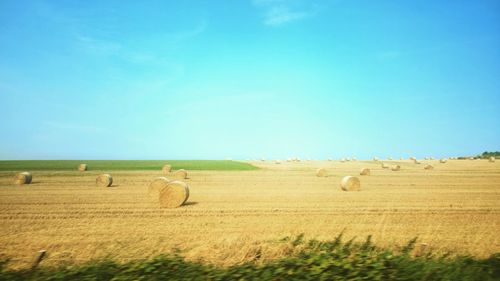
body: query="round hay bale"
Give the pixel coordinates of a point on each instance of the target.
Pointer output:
(365, 172)
(413, 158)
(156, 185)
(401, 158)
(82, 167)
(342, 160)
(385, 166)
(428, 167)
(23, 178)
(104, 180)
(174, 195)
(375, 159)
(492, 159)
(354, 159)
(396, 168)
(166, 168)
(321, 172)
(350, 183)
(278, 162)
(443, 160)
(181, 173)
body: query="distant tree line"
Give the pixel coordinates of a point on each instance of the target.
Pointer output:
(487, 154)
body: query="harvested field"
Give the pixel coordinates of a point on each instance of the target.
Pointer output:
(231, 216)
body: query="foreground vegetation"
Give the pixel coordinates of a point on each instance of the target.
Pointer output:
(333, 260)
(71, 165)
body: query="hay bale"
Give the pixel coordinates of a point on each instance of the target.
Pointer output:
(385, 166)
(104, 180)
(174, 195)
(428, 167)
(321, 172)
(350, 183)
(156, 185)
(396, 168)
(342, 160)
(401, 158)
(413, 158)
(82, 167)
(181, 173)
(492, 159)
(442, 160)
(278, 162)
(354, 159)
(166, 168)
(375, 159)
(23, 178)
(365, 172)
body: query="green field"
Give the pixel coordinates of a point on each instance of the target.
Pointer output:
(107, 165)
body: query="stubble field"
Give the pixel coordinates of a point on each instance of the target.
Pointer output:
(237, 216)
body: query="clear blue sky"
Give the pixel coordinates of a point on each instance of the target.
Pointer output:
(247, 79)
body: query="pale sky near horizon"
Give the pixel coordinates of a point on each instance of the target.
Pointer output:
(248, 79)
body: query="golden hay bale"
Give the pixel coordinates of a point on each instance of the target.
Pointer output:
(174, 195)
(278, 162)
(443, 160)
(104, 180)
(156, 185)
(342, 160)
(23, 178)
(166, 168)
(385, 166)
(181, 173)
(428, 167)
(471, 158)
(350, 183)
(321, 172)
(354, 159)
(401, 158)
(365, 172)
(413, 158)
(82, 167)
(375, 158)
(492, 159)
(396, 168)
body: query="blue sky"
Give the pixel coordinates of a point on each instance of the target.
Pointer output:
(248, 79)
